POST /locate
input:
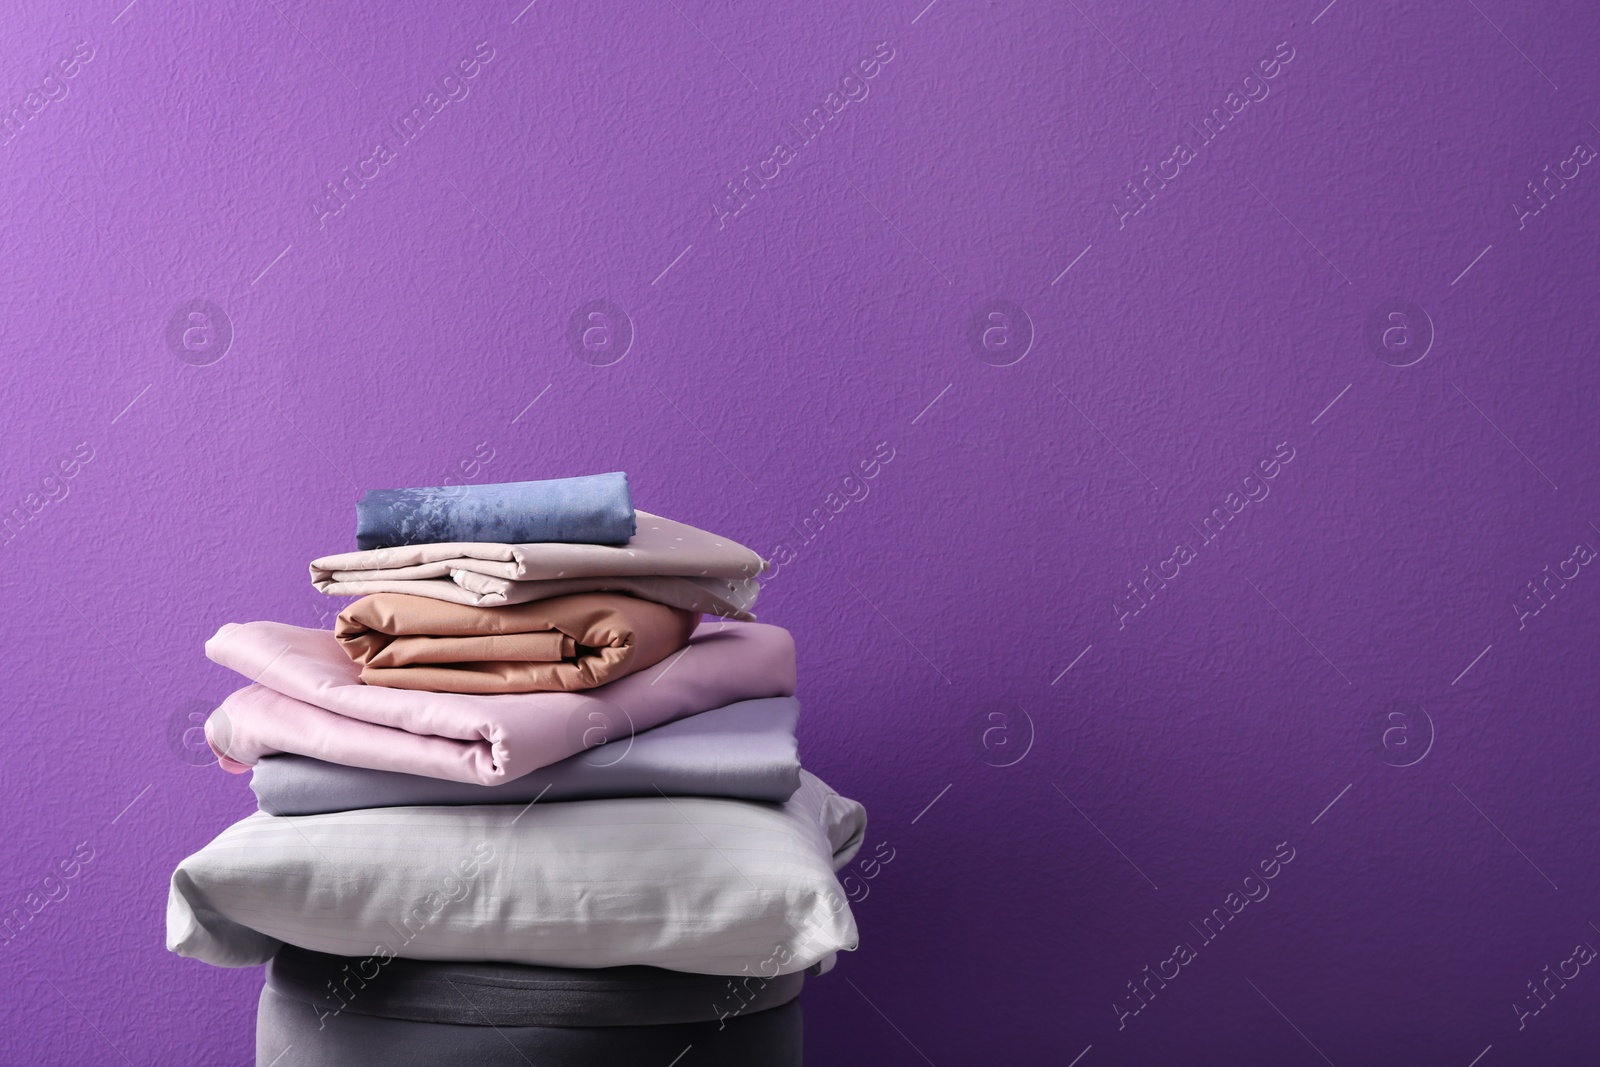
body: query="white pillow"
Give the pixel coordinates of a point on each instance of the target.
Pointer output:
(692, 884)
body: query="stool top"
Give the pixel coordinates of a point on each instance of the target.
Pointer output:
(511, 994)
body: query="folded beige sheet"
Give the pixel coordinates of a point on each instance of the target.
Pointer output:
(728, 597)
(668, 562)
(660, 547)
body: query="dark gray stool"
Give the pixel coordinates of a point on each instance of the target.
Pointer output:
(321, 1011)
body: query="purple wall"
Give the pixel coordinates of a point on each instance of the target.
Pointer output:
(1338, 322)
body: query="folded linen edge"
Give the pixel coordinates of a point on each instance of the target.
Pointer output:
(219, 736)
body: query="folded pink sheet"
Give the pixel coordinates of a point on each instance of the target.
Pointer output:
(308, 700)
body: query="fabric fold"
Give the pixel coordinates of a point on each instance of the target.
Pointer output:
(659, 547)
(745, 751)
(564, 644)
(728, 597)
(309, 700)
(593, 509)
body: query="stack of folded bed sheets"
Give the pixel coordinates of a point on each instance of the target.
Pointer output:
(536, 795)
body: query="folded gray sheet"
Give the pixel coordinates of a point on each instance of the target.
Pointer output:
(746, 751)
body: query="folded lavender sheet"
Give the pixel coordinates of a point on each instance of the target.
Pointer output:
(745, 751)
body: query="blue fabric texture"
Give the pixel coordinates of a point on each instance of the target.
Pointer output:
(596, 509)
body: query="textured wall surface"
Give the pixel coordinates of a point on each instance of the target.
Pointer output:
(1213, 643)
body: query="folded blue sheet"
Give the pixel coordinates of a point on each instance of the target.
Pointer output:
(746, 751)
(596, 509)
